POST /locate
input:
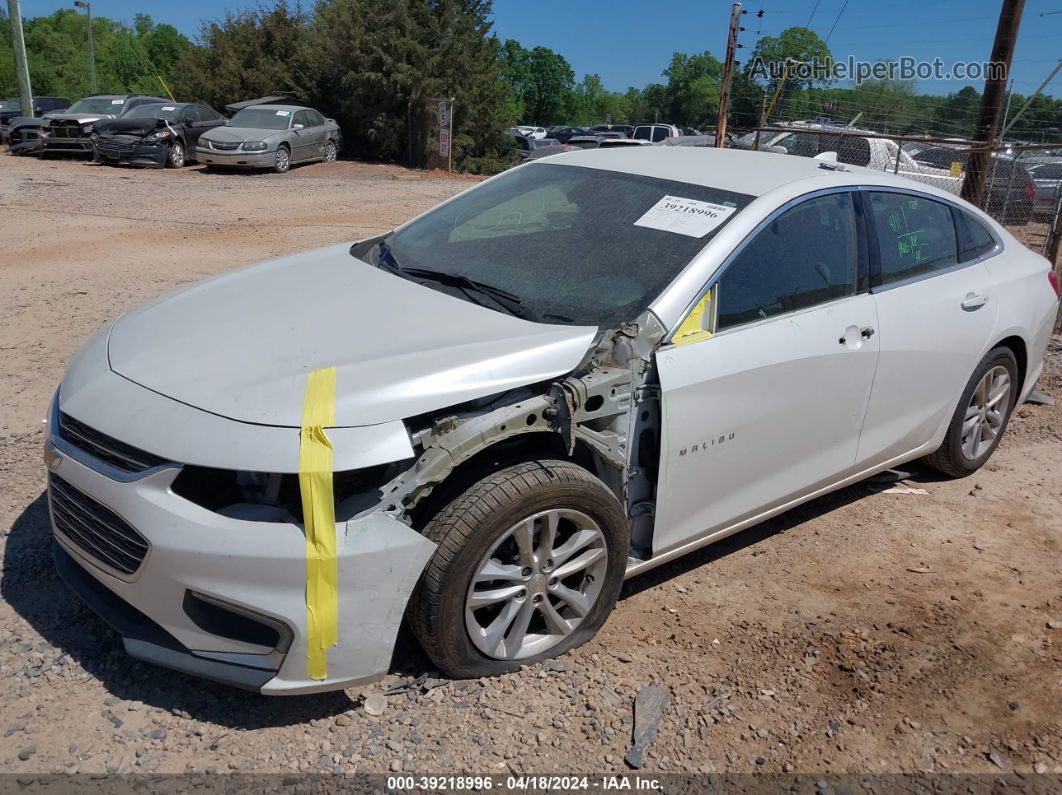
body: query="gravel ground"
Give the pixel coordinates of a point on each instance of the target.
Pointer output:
(862, 632)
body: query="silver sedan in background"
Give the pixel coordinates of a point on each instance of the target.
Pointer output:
(271, 136)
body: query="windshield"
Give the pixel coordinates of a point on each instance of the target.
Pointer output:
(574, 245)
(10, 104)
(167, 112)
(98, 105)
(262, 119)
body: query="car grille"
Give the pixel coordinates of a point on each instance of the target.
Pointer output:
(225, 146)
(107, 449)
(66, 129)
(118, 143)
(97, 531)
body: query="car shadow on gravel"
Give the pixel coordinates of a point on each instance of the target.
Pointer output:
(789, 520)
(30, 584)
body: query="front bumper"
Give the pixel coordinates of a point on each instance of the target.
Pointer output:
(138, 154)
(248, 568)
(236, 158)
(66, 145)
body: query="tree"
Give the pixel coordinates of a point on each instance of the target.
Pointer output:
(693, 88)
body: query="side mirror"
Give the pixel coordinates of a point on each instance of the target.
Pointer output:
(296, 126)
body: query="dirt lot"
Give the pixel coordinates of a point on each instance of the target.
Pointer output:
(864, 632)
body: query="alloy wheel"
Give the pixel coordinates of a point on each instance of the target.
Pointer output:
(536, 584)
(283, 159)
(176, 155)
(986, 413)
(330, 152)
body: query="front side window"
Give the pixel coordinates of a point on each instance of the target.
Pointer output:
(806, 256)
(916, 236)
(575, 245)
(643, 133)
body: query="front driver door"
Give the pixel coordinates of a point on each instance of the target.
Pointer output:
(769, 407)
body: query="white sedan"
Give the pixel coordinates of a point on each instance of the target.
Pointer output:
(484, 420)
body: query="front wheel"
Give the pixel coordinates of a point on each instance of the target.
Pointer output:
(282, 160)
(981, 416)
(529, 564)
(175, 158)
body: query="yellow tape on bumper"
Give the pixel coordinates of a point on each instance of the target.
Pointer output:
(319, 520)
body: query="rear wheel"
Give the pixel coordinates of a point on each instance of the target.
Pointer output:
(175, 158)
(282, 160)
(981, 416)
(529, 565)
(330, 152)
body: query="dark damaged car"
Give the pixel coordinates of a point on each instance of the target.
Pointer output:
(156, 135)
(70, 131)
(11, 112)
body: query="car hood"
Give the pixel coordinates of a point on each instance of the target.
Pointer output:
(239, 134)
(81, 118)
(137, 126)
(241, 345)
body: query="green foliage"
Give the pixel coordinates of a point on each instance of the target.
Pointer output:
(127, 59)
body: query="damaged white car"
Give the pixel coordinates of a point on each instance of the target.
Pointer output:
(486, 419)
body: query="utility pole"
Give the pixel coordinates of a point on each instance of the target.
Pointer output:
(25, 91)
(728, 69)
(992, 100)
(92, 51)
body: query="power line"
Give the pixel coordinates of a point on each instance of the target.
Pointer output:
(839, 13)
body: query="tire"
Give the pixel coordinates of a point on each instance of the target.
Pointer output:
(176, 156)
(963, 454)
(282, 160)
(329, 155)
(479, 527)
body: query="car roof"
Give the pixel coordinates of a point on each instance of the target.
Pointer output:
(737, 170)
(292, 108)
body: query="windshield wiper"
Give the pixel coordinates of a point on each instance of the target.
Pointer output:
(473, 290)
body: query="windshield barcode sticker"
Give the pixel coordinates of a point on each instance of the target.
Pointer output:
(685, 216)
(283, 112)
(170, 107)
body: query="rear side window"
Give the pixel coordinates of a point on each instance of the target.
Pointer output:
(974, 239)
(1049, 171)
(915, 236)
(659, 134)
(314, 118)
(806, 256)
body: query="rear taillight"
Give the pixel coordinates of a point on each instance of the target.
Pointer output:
(1053, 278)
(1030, 193)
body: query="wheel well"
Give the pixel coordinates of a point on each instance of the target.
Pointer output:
(515, 450)
(1017, 347)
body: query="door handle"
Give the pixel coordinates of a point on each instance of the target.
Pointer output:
(973, 301)
(866, 332)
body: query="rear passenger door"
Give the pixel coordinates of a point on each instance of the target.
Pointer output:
(936, 306)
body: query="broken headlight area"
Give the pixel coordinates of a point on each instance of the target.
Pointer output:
(158, 136)
(276, 497)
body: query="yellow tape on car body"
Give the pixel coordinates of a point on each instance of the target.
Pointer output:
(692, 328)
(319, 520)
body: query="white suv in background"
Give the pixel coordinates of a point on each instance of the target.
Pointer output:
(655, 133)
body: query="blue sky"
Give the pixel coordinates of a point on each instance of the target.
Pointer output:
(629, 42)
